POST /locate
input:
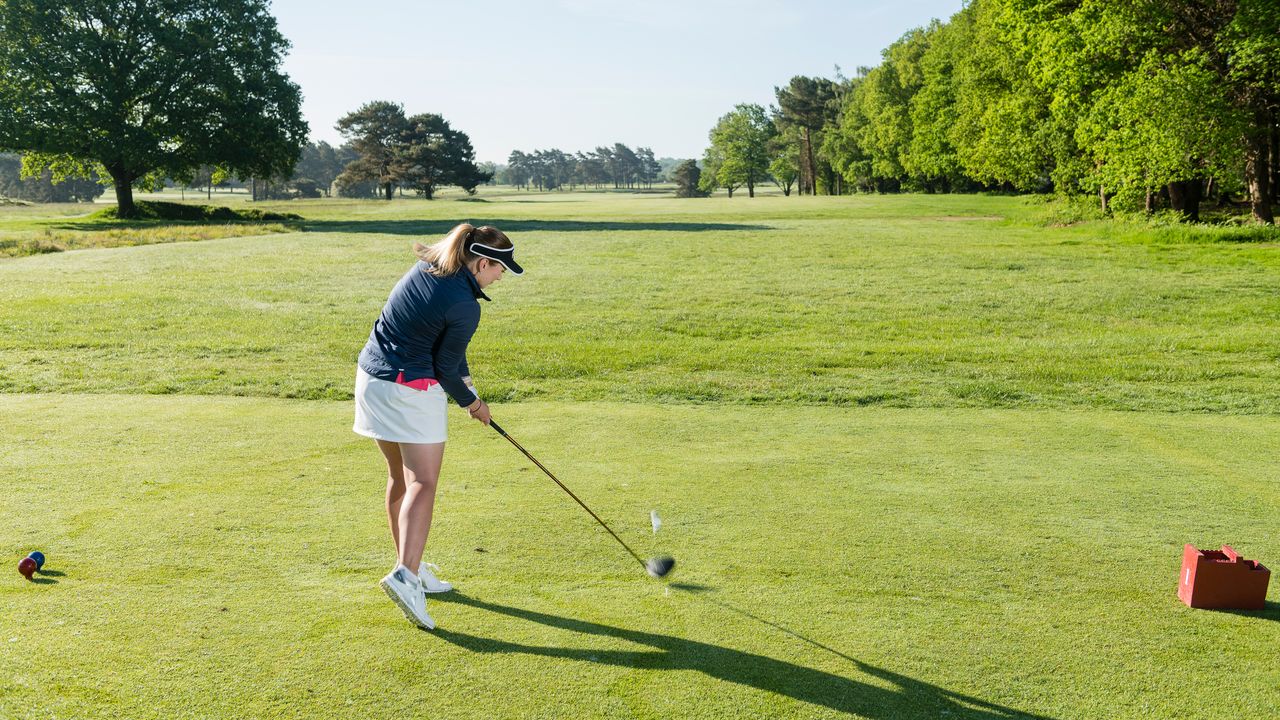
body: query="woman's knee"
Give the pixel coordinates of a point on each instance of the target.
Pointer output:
(427, 480)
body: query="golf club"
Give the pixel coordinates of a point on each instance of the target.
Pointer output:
(656, 566)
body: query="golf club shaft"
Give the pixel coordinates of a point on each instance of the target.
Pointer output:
(543, 468)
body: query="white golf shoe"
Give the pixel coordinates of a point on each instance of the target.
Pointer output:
(406, 592)
(430, 583)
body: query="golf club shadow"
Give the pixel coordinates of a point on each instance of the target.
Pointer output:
(908, 697)
(690, 587)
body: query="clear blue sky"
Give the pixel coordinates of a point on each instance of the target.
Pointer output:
(574, 74)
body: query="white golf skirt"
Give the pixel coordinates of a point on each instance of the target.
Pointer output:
(389, 411)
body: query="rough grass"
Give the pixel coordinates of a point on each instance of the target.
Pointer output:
(216, 557)
(40, 229)
(50, 240)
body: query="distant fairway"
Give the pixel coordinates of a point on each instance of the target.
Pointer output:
(917, 456)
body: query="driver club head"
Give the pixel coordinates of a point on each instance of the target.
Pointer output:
(659, 566)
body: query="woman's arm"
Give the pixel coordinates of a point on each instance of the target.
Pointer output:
(461, 321)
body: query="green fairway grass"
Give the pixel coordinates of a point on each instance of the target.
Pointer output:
(916, 456)
(217, 557)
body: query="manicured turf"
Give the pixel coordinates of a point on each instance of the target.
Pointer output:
(218, 558)
(911, 465)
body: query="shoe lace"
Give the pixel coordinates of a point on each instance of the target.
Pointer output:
(434, 567)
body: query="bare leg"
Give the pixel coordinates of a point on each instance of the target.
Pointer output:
(421, 473)
(395, 487)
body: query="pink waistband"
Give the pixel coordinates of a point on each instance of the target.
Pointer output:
(419, 384)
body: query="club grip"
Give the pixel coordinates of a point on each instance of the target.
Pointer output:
(497, 427)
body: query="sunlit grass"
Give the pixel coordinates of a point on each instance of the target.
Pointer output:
(916, 456)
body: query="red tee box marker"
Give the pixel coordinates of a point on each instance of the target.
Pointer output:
(1222, 580)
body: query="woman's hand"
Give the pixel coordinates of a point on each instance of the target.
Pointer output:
(479, 410)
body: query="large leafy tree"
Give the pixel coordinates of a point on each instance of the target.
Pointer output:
(1003, 127)
(742, 139)
(147, 88)
(931, 156)
(884, 97)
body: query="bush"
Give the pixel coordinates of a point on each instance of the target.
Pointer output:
(149, 210)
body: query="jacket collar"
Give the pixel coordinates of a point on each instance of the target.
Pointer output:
(475, 286)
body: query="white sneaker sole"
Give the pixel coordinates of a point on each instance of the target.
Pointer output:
(405, 608)
(436, 592)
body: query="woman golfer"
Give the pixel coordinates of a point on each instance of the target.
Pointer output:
(416, 355)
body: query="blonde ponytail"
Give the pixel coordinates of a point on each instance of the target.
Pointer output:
(449, 255)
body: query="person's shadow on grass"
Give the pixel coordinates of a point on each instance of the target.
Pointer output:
(909, 697)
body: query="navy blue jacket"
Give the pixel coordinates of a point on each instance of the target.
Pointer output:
(424, 329)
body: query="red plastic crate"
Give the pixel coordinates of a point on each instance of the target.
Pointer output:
(1222, 580)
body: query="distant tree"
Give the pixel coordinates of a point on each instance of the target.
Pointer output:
(591, 169)
(1006, 130)
(649, 166)
(741, 138)
(349, 186)
(555, 168)
(41, 188)
(712, 178)
(320, 165)
(628, 165)
(140, 89)
(611, 163)
(804, 105)
(666, 167)
(376, 131)
(431, 154)
(930, 156)
(518, 170)
(686, 176)
(784, 168)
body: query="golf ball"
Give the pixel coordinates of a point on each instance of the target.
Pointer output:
(27, 567)
(39, 558)
(657, 521)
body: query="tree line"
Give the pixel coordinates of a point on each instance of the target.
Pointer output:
(619, 166)
(1142, 103)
